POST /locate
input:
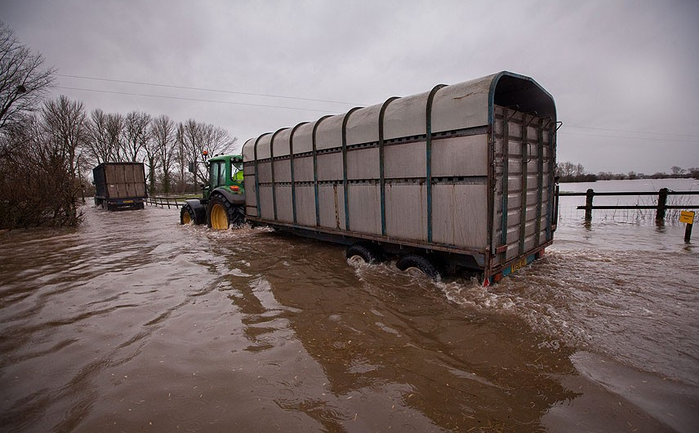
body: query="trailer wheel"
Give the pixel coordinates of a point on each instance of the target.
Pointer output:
(415, 263)
(187, 215)
(362, 252)
(222, 214)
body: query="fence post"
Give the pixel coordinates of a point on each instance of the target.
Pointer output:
(662, 202)
(588, 204)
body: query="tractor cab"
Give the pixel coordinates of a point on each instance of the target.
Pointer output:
(225, 175)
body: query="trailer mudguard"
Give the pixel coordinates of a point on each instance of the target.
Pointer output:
(234, 199)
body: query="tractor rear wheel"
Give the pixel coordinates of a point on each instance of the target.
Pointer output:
(222, 214)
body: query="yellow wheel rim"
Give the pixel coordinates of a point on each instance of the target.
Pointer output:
(219, 219)
(186, 218)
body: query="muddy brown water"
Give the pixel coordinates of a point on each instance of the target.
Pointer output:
(135, 323)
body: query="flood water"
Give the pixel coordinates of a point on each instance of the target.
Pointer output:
(135, 323)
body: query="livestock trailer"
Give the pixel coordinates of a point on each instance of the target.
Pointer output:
(458, 178)
(120, 185)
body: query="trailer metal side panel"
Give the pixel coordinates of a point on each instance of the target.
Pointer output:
(329, 133)
(284, 204)
(282, 143)
(282, 170)
(406, 210)
(405, 117)
(460, 156)
(363, 163)
(332, 205)
(329, 166)
(461, 106)
(365, 207)
(405, 160)
(460, 215)
(466, 169)
(363, 126)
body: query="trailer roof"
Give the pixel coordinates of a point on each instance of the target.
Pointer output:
(453, 107)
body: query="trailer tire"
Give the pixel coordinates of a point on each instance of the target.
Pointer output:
(364, 252)
(414, 262)
(222, 214)
(187, 215)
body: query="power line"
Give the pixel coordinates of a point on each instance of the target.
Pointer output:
(629, 137)
(190, 99)
(632, 132)
(170, 86)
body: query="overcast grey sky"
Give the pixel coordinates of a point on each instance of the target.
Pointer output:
(623, 73)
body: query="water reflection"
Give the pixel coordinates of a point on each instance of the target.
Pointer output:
(380, 337)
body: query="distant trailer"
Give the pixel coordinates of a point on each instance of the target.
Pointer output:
(120, 185)
(457, 178)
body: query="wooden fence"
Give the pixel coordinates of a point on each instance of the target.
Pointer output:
(660, 207)
(167, 201)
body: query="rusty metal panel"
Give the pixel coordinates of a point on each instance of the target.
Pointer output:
(406, 117)
(305, 205)
(365, 207)
(282, 170)
(402, 161)
(329, 133)
(285, 210)
(460, 214)
(363, 163)
(331, 198)
(406, 211)
(330, 166)
(266, 204)
(303, 169)
(363, 125)
(460, 156)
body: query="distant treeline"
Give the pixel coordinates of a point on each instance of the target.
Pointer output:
(569, 172)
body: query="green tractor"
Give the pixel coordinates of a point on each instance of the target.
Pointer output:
(223, 202)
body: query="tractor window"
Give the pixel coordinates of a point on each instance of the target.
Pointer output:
(218, 174)
(237, 168)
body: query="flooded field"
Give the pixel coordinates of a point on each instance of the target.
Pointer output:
(135, 323)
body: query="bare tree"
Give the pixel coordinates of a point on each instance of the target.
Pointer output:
(106, 130)
(163, 139)
(115, 136)
(199, 137)
(678, 171)
(39, 182)
(64, 128)
(136, 134)
(65, 125)
(99, 145)
(23, 80)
